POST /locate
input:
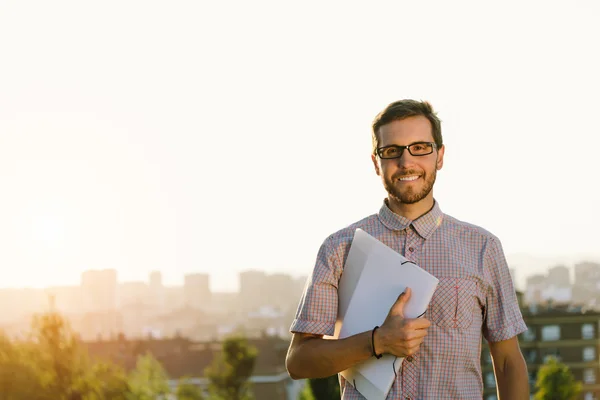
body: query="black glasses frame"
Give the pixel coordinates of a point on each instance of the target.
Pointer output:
(401, 150)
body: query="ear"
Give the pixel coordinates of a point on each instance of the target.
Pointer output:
(376, 164)
(440, 158)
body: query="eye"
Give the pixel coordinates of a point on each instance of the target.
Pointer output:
(420, 148)
(391, 151)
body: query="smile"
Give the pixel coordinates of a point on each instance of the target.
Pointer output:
(409, 178)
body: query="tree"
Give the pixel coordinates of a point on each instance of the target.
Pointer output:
(230, 371)
(106, 381)
(325, 388)
(148, 381)
(19, 373)
(187, 390)
(556, 382)
(52, 365)
(60, 360)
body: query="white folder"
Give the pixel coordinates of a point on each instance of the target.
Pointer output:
(373, 277)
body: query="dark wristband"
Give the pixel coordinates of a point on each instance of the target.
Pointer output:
(373, 343)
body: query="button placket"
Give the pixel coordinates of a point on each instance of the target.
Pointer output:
(409, 377)
(412, 245)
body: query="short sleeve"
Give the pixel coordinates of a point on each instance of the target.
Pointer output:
(317, 311)
(503, 318)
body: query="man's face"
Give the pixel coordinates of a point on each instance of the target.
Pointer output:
(408, 179)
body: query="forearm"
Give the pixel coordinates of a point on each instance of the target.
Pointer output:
(319, 358)
(512, 379)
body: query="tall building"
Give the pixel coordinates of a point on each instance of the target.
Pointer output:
(99, 290)
(586, 289)
(196, 289)
(558, 285)
(157, 291)
(254, 289)
(559, 276)
(587, 273)
(534, 286)
(281, 288)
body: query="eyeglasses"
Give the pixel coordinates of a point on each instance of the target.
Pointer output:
(416, 149)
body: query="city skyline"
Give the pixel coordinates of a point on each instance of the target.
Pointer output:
(187, 138)
(540, 266)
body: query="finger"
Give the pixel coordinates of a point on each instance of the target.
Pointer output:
(418, 323)
(398, 307)
(414, 335)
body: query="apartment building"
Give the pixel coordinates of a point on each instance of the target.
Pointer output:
(567, 333)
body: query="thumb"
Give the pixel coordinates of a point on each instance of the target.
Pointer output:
(398, 307)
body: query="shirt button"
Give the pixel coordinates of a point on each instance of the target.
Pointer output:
(411, 249)
(409, 358)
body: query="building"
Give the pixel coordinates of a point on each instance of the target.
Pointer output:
(586, 288)
(559, 276)
(196, 290)
(254, 289)
(568, 333)
(157, 291)
(99, 290)
(133, 293)
(534, 286)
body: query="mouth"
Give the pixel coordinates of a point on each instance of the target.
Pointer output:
(408, 178)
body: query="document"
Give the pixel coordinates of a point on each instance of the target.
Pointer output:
(373, 277)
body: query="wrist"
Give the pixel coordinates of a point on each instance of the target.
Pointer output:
(377, 342)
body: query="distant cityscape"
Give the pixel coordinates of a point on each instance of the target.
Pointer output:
(557, 287)
(102, 308)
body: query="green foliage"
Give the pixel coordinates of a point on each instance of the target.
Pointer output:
(306, 393)
(325, 388)
(230, 371)
(52, 365)
(188, 391)
(106, 381)
(19, 372)
(148, 381)
(556, 382)
(61, 362)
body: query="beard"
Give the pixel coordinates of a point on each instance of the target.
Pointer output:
(409, 195)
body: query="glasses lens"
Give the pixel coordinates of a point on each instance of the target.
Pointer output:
(390, 152)
(420, 149)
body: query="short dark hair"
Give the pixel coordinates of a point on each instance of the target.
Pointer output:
(401, 109)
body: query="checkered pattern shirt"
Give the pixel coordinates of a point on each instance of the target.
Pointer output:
(475, 297)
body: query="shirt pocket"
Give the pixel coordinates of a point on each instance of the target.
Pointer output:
(454, 303)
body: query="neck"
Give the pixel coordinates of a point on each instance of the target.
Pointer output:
(411, 211)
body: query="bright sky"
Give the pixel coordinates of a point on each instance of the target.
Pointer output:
(197, 136)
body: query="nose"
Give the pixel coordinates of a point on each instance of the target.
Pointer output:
(405, 159)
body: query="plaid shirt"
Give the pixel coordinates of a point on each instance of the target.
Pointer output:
(475, 297)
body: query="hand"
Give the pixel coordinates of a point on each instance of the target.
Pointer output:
(398, 335)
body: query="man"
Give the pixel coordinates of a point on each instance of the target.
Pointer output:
(475, 295)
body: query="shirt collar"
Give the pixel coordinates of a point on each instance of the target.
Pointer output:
(425, 225)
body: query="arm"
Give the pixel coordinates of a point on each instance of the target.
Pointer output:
(510, 370)
(311, 356)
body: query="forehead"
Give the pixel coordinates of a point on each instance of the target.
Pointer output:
(406, 131)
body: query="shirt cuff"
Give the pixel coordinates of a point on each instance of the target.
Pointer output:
(507, 332)
(314, 327)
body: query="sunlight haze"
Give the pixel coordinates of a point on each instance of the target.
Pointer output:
(219, 137)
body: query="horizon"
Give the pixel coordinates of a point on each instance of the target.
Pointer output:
(542, 265)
